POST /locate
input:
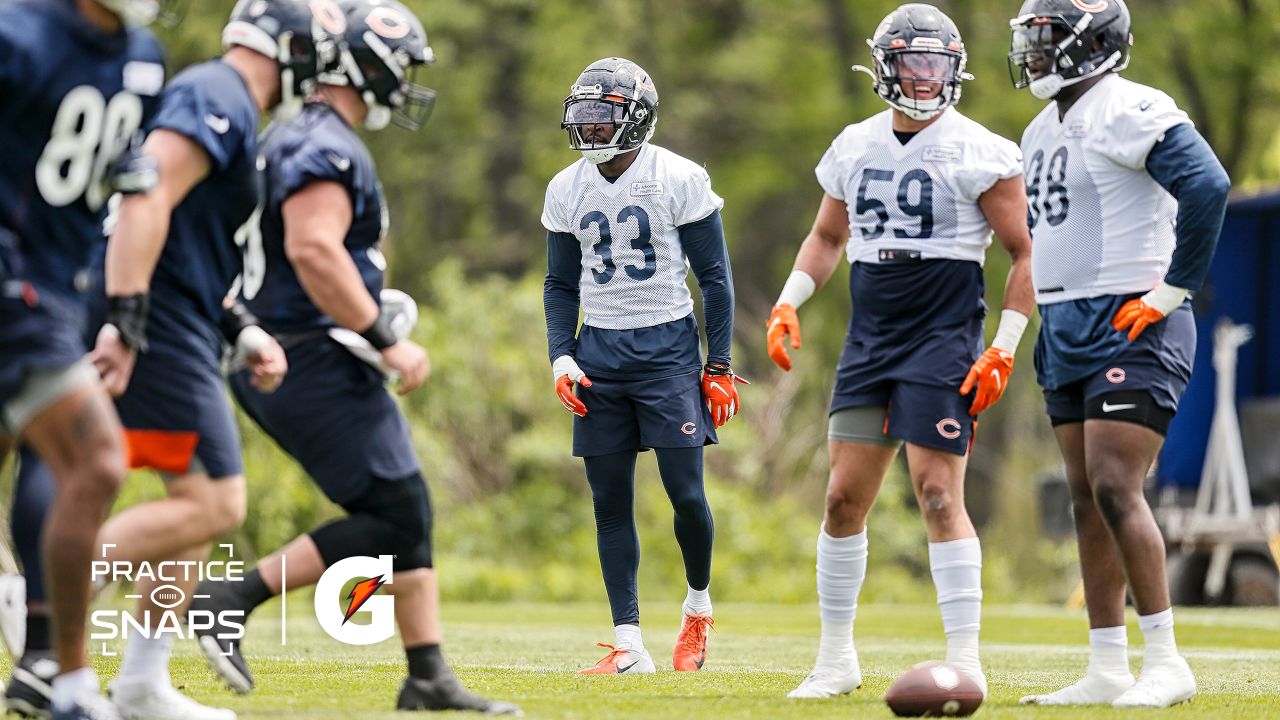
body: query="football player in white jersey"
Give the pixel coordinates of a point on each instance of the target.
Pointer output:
(920, 188)
(625, 224)
(1126, 203)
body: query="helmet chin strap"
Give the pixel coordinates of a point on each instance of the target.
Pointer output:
(378, 115)
(1048, 87)
(604, 155)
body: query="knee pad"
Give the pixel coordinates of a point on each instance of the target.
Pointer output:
(392, 518)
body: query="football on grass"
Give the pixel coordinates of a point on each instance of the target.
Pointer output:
(933, 689)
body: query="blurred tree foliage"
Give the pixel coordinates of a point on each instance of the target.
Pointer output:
(756, 90)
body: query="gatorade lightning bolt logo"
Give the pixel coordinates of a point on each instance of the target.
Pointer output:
(361, 593)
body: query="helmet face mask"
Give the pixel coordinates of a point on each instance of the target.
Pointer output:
(918, 61)
(611, 93)
(1058, 43)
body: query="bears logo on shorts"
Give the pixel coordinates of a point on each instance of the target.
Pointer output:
(1115, 375)
(949, 428)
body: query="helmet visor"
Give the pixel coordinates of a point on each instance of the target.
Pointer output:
(923, 75)
(594, 112)
(594, 124)
(926, 66)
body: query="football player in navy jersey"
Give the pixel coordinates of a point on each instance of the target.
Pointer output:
(78, 79)
(322, 290)
(170, 262)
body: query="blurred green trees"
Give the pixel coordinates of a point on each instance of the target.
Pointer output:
(756, 90)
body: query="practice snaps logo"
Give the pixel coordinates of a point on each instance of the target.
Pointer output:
(334, 616)
(166, 580)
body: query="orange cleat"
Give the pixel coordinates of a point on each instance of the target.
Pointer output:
(691, 644)
(621, 660)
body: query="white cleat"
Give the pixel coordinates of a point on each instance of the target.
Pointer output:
(1166, 683)
(159, 700)
(1092, 689)
(973, 671)
(825, 682)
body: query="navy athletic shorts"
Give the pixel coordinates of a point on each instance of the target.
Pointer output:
(638, 415)
(915, 331)
(333, 414)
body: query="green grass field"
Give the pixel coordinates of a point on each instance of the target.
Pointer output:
(528, 654)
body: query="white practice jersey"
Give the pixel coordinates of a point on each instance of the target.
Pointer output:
(1100, 225)
(921, 197)
(633, 266)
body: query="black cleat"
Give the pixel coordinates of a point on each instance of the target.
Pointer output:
(30, 686)
(446, 693)
(223, 655)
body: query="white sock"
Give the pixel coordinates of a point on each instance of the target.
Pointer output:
(68, 686)
(1157, 634)
(627, 637)
(698, 602)
(956, 566)
(842, 566)
(1108, 651)
(145, 658)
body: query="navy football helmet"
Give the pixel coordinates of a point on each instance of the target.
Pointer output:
(381, 51)
(289, 32)
(917, 43)
(612, 91)
(1074, 39)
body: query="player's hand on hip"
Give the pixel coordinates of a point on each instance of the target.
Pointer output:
(113, 360)
(719, 387)
(1140, 313)
(990, 375)
(410, 360)
(566, 372)
(263, 357)
(783, 322)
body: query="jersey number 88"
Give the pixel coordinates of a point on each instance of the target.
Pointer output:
(88, 133)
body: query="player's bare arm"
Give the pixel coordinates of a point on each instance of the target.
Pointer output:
(316, 221)
(134, 249)
(1005, 207)
(819, 255)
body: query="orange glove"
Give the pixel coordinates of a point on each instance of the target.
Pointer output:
(720, 392)
(990, 373)
(566, 373)
(783, 321)
(1135, 316)
(1139, 313)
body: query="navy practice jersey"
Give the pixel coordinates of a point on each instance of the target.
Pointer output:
(316, 146)
(209, 104)
(71, 97)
